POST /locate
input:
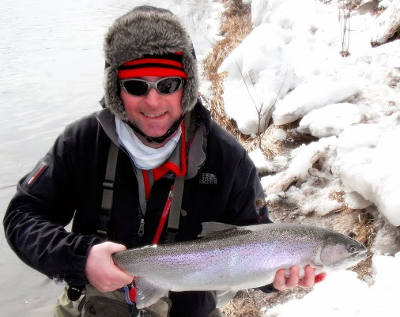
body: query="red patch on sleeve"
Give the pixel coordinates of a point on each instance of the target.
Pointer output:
(37, 173)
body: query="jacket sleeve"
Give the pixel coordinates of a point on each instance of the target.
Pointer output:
(43, 205)
(247, 198)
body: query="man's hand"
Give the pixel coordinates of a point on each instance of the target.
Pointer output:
(101, 271)
(281, 282)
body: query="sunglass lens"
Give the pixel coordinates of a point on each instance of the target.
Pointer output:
(169, 85)
(136, 87)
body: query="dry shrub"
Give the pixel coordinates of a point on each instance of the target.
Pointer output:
(235, 26)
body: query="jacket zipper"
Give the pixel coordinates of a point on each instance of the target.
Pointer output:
(141, 227)
(141, 216)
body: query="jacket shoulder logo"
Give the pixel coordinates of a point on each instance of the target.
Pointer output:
(208, 179)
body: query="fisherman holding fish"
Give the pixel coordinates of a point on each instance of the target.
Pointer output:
(148, 169)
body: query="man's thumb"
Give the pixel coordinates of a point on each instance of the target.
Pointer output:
(115, 247)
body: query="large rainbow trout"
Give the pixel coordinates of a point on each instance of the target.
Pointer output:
(229, 258)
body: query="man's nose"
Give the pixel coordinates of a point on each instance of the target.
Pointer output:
(153, 97)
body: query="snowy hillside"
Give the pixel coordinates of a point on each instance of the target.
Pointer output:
(292, 66)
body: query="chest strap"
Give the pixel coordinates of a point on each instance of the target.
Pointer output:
(108, 191)
(175, 211)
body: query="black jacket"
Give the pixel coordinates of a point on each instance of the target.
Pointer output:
(67, 185)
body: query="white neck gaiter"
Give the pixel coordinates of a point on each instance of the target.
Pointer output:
(143, 156)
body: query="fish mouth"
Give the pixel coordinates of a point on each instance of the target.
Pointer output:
(353, 260)
(362, 254)
(359, 257)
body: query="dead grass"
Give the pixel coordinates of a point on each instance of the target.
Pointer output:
(235, 26)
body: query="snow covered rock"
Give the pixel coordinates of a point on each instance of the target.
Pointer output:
(263, 165)
(367, 163)
(332, 119)
(302, 161)
(313, 95)
(258, 74)
(387, 24)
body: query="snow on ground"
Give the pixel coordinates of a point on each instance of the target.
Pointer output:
(354, 99)
(332, 119)
(343, 294)
(311, 96)
(291, 64)
(371, 169)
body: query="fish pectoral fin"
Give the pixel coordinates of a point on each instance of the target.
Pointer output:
(147, 293)
(223, 297)
(210, 228)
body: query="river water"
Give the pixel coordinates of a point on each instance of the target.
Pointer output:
(51, 71)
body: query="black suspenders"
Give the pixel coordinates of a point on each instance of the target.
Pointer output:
(108, 192)
(175, 211)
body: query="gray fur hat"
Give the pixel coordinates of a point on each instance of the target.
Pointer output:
(147, 30)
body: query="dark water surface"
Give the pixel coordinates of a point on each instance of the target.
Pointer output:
(50, 74)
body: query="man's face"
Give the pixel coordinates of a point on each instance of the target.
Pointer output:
(153, 113)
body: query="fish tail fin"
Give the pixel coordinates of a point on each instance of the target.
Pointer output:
(147, 293)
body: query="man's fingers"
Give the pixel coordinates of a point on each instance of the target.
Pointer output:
(122, 275)
(115, 247)
(280, 280)
(101, 270)
(123, 279)
(293, 279)
(309, 277)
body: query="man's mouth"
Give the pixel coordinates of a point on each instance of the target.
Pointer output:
(153, 115)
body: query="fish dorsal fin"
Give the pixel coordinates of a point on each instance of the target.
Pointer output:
(212, 228)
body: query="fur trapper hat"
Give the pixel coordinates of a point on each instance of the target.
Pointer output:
(143, 31)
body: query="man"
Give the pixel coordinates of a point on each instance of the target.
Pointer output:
(112, 173)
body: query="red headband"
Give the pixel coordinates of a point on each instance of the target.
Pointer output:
(153, 65)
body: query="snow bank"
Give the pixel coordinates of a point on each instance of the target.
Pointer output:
(343, 294)
(367, 163)
(387, 24)
(258, 74)
(303, 185)
(264, 165)
(355, 99)
(302, 160)
(313, 95)
(352, 105)
(332, 119)
(314, 196)
(281, 51)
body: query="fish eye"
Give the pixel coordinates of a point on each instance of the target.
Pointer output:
(352, 248)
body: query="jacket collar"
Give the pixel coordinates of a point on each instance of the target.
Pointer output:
(195, 147)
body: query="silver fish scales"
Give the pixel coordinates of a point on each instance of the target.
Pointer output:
(230, 258)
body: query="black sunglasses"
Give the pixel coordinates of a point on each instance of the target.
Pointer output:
(140, 87)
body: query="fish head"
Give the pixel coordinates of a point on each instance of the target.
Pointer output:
(340, 251)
